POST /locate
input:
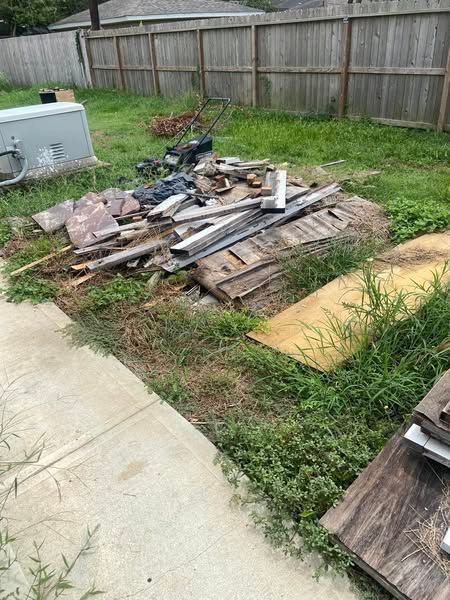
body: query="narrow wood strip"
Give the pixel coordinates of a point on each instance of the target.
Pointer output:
(40, 260)
(181, 69)
(396, 71)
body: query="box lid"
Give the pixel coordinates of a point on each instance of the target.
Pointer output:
(39, 110)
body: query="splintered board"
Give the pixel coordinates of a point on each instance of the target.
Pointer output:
(432, 413)
(308, 330)
(377, 519)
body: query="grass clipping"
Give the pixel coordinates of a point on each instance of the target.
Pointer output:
(429, 534)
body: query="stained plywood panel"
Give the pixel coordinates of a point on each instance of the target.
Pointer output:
(396, 492)
(306, 330)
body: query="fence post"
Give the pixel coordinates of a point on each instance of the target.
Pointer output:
(345, 60)
(87, 40)
(119, 62)
(254, 54)
(201, 61)
(84, 60)
(155, 76)
(444, 98)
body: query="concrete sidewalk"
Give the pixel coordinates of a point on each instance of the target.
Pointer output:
(125, 460)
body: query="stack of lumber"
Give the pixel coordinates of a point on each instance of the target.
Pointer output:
(394, 518)
(430, 433)
(231, 218)
(223, 201)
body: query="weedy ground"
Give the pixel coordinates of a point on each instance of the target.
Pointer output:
(300, 436)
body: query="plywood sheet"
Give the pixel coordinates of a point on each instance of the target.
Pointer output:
(306, 330)
(392, 496)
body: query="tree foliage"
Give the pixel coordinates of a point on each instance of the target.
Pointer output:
(21, 15)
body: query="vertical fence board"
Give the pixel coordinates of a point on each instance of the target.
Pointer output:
(389, 64)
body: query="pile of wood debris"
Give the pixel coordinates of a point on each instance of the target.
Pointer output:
(170, 126)
(231, 218)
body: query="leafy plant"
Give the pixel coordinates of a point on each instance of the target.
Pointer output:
(26, 286)
(412, 217)
(5, 230)
(334, 423)
(119, 289)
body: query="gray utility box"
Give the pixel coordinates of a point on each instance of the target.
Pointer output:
(54, 139)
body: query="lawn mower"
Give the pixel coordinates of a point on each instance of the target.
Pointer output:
(184, 153)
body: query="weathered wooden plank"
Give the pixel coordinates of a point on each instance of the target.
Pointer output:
(215, 211)
(428, 413)
(125, 255)
(277, 202)
(375, 520)
(39, 261)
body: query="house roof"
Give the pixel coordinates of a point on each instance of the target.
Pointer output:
(134, 11)
(297, 4)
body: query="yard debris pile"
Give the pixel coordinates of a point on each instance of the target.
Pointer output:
(231, 218)
(170, 126)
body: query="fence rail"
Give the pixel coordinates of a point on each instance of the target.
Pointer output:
(59, 57)
(387, 60)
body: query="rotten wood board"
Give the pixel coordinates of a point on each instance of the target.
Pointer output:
(213, 233)
(168, 207)
(298, 202)
(124, 256)
(429, 412)
(215, 211)
(306, 331)
(392, 496)
(274, 242)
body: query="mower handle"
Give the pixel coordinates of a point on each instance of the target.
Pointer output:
(225, 103)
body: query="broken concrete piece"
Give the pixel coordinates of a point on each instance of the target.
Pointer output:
(54, 218)
(84, 222)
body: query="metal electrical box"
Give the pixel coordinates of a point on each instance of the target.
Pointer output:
(53, 139)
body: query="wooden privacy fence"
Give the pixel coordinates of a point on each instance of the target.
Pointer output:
(59, 57)
(386, 60)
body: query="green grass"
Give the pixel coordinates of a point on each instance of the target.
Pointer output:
(306, 273)
(334, 423)
(414, 163)
(299, 435)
